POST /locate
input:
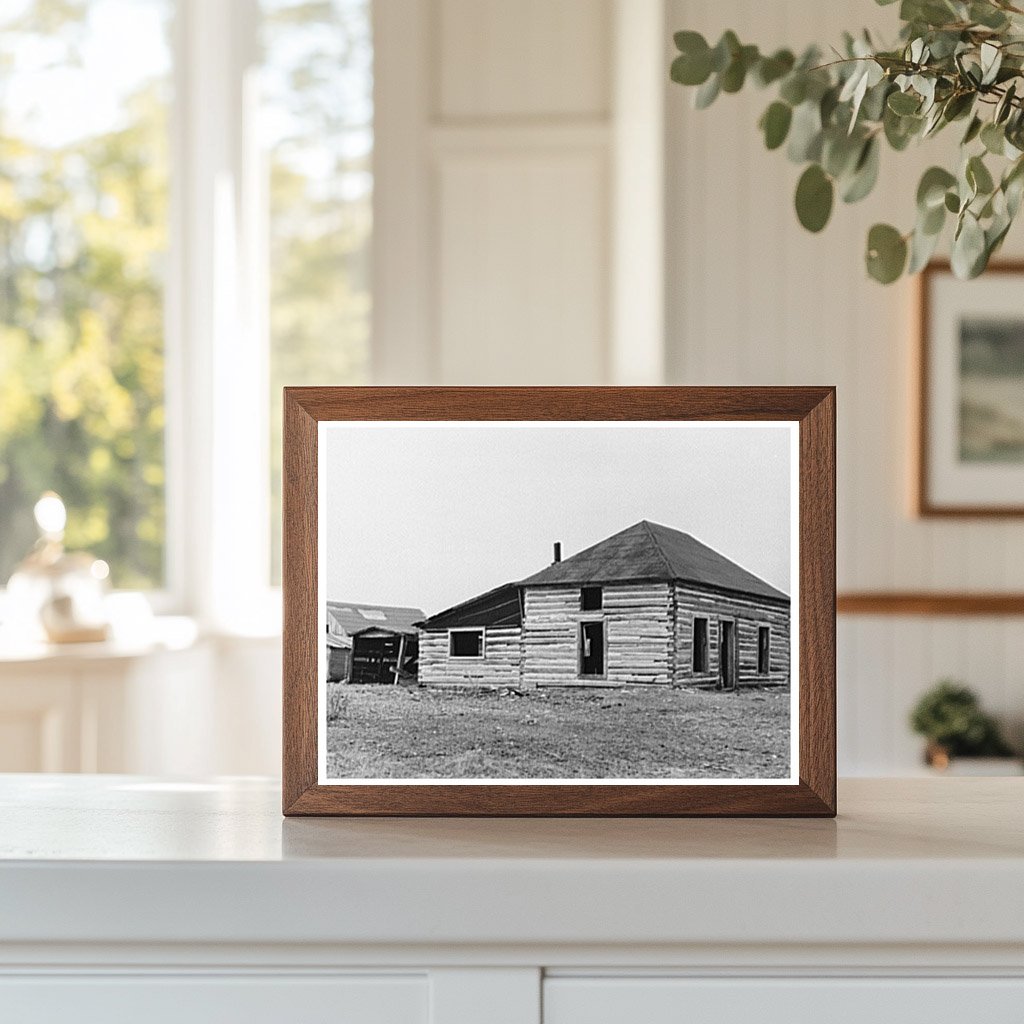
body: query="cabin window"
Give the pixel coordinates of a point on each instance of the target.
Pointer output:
(590, 599)
(700, 645)
(764, 650)
(466, 643)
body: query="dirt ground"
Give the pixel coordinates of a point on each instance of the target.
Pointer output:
(395, 732)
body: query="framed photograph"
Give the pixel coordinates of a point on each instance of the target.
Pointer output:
(559, 601)
(970, 451)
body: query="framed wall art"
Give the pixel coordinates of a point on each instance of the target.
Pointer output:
(559, 601)
(970, 444)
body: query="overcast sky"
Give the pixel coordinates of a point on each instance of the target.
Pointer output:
(431, 515)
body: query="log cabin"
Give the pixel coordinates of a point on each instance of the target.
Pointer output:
(649, 605)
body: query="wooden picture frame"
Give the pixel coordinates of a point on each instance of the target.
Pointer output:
(941, 489)
(811, 411)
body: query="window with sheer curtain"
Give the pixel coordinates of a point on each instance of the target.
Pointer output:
(97, 168)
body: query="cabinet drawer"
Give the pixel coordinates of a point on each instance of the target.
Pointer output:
(782, 1001)
(202, 999)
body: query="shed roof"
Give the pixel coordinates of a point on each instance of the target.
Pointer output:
(344, 619)
(498, 607)
(652, 551)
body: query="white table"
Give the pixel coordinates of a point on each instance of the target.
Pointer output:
(125, 898)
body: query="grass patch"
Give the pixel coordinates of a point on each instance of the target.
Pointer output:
(393, 732)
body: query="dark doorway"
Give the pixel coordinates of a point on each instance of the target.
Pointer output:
(591, 648)
(374, 659)
(727, 655)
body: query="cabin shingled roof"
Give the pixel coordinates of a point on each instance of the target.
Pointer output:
(650, 551)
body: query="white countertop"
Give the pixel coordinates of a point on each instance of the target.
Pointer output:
(122, 859)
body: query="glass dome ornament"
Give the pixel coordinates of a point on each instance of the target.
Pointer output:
(56, 595)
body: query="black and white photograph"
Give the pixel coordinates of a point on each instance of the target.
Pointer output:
(562, 601)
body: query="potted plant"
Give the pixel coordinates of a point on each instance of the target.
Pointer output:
(950, 718)
(956, 62)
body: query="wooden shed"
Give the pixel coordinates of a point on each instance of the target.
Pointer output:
(384, 656)
(346, 621)
(648, 606)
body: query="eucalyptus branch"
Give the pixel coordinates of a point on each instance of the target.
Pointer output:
(955, 59)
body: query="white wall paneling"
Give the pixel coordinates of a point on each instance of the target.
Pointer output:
(638, 225)
(514, 167)
(751, 298)
(403, 338)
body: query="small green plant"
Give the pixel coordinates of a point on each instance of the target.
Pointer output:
(950, 717)
(956, 61)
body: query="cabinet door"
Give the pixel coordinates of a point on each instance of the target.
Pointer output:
(202, 999)
(783, 1001)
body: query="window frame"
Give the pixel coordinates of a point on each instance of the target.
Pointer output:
(706, 649)
(603, 623)
(599, 607)
(216, 320)
(482, 630)
(764, 627)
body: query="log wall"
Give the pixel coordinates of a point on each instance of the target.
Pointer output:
(749, 614)
(638, 635)
(500, 665)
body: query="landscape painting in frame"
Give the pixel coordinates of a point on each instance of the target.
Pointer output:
(972, 393)
(546, 602)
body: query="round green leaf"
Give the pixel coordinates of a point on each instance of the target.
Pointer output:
(1005, 105)
(973, 130)
(805, 133)
(725, 49)
(688, 42)
(775, 123)
(978, 176)
(865, 173)
(931, 221)
(900, 130)
(987, 15)
(735, 74)
(840, 152)
(814, 195)
(707, 93)
(887, 253)
(952, 202)
(922, 248)
(794, 89)
(903, 103)
(770, 69)
(958, 106)
(693, 65)
(993, 138)
(932, 189)
(968, 255)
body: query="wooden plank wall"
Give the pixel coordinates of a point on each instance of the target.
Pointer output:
(754, 299)
(500, 665)
(749, 615)
(637, 623)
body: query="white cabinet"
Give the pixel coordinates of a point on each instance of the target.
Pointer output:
(216, 1000)
(133, 899)
(829, 1000)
